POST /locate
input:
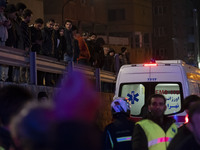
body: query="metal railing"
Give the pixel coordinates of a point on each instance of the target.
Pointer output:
(17, 57)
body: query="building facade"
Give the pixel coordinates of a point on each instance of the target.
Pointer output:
(131, 20)
(174, 30)
(121, 23)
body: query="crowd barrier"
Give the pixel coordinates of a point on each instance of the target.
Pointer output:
(17, 57)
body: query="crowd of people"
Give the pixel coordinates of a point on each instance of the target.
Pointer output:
(63, 42)
(68, 121)
(155, 131)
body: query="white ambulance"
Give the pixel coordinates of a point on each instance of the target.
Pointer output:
(172, 78)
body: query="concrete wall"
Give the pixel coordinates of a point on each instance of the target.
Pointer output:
(104, 116)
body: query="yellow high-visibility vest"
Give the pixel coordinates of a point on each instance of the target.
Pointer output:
(156, 136)
(1, 148)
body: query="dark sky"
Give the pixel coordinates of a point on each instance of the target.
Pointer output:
(196, 3)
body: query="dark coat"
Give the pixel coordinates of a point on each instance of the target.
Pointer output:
(26, 35)
(36, 39)
(109, 63)
(76, 50)
(47, 44)
(99, 56)
(69, 42)
(183, 133)
(189, 143)
(91, 45)
(120, 127)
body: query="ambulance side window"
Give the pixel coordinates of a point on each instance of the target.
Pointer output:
(171, 91)
(136, 94)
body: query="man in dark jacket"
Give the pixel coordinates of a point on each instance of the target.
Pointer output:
(91, 44)
(69, 52)
(36, 35)
(47, 44)
(118, 134)
(185, 130)
(155, 132)
(26, 35)
(47, 49)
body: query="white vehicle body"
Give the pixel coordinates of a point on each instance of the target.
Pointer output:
(172, 78)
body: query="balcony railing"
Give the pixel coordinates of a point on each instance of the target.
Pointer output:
(17, 57)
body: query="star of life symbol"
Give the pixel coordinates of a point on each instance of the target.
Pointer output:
(133, 97)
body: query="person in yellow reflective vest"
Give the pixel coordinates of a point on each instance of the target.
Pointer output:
(156, 130)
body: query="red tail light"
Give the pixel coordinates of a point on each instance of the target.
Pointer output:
(150, 65)
(186, 119)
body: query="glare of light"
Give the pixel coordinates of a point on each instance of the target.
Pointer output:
(176, 118)
(186, 119)
(150, 65)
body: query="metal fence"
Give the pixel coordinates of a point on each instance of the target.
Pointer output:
(17, 57)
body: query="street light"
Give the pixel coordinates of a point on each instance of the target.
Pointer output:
(63, 9)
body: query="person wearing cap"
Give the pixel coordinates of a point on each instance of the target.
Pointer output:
(118, 134)
(156, 131)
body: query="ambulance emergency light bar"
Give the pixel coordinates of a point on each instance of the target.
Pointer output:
(151, 64)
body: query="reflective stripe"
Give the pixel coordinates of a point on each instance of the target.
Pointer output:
(123, 139)
(159, 140)
(112, 145)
